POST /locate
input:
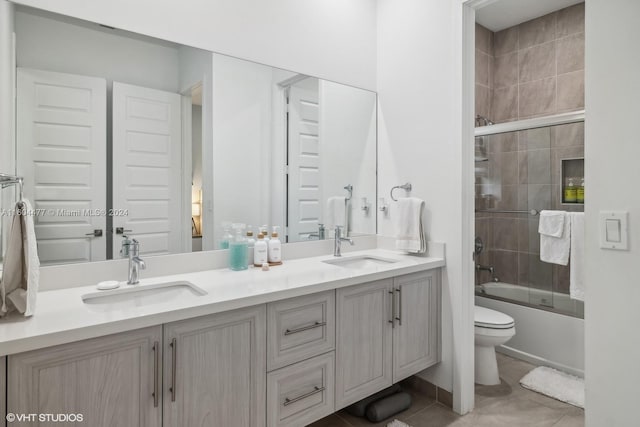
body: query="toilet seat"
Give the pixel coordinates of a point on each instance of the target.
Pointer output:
(492, 319)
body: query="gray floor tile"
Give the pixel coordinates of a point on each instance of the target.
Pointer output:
(418, 403)
(571, 421)
(436, 416)
(519, 412)
(330, 421)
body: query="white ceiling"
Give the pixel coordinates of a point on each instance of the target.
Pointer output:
(503, 14)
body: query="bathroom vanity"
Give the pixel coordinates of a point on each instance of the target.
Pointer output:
(279, 348)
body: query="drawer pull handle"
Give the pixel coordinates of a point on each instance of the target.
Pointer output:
(392, 300)
(174, 356)
(156, 373)
(315, 390)
(304, 328)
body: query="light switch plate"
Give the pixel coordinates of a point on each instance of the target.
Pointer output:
(614, 228)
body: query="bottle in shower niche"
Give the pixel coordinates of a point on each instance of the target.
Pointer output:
(238, 255)
(275, 247)
(570, 191)
(580, 192)
(260, 251)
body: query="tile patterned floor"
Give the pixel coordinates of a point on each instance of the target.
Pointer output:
(504, 405)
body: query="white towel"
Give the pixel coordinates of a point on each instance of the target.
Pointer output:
(576, 270)
(21, 269)
(411, 236)
(554, 249)
(336, 213)
(552, 223)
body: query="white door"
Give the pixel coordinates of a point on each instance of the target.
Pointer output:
(147, 169)
(61, 138)
(304, 193)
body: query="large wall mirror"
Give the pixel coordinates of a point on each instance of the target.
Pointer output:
(122, 134)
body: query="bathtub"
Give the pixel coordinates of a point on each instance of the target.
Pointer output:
(544, 336)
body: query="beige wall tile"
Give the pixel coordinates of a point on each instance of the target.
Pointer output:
(570, 53)
(505, 235)
(537, 62)
(483, 100)
(571, 91)
(505, 41)
(568, 135)
(538, 97)
(537, 31)
(539, 167)
(505, 71)
(483, 39)
(571, 20)
(503, 142)
(504, 104)
(482, 68)
(534, 139)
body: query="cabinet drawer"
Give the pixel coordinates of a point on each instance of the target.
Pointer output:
(300, 328)
(300, 394)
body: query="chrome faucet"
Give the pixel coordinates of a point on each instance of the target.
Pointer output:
(485, 268)
(132, 249)
(338, 241)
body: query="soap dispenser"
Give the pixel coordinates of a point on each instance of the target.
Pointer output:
(260, 251)
(251, 242)
(238, 257)
(226, 236)
(264, 232)
(275, 246)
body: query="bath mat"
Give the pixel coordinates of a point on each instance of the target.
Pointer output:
(559, 385)
(396, 423)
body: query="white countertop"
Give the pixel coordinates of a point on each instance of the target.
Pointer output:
(61, 316)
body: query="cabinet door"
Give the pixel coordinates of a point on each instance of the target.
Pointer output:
(109, 380)
(416, 336)
(215, 370)
(363, 348)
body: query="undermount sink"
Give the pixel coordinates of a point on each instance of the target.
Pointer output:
(361, 261)
(130, 296)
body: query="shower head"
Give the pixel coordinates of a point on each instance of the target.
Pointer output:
(483, 121)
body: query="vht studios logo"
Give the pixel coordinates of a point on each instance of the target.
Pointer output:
(50, 418)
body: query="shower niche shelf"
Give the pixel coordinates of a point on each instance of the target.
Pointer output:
(572, 168)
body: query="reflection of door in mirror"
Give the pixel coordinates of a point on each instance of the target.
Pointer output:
(61, 147)
(304, 192)
(100, 136)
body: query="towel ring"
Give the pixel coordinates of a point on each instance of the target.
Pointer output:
(406, 187)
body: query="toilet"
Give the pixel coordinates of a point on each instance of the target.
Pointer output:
(492, 328)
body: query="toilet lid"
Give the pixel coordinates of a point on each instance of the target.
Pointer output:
(487, 318)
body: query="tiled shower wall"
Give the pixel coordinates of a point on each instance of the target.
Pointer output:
(533, 69)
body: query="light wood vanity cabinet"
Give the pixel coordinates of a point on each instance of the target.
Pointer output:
(386, 331)
(215, 370)
(283, 364)
(109, 380)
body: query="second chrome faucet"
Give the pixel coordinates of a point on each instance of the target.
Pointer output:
(337, 247)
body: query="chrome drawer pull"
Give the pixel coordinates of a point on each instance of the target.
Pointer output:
(315, 390)
(392, 299)
(156, 373)
(305, 328)
(174, 356)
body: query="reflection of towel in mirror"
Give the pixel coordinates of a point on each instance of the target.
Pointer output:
(411, 236)
(336, 213)
(21, 269)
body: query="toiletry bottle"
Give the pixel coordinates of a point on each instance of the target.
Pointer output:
(580, 192)
(275, 246)
(264, 232)
(238, 257)
(223, 243)
(570, 192)
(251, 242)
(260, 251)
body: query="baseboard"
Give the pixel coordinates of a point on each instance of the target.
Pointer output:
(538, 361)
(433, 391)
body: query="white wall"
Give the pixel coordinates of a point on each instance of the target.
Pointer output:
(77, 48)
(348, 140)
(419, 136)
(612, 312)
(242, 120)
(332, 39)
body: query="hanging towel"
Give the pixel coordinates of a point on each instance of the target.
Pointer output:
(576, 269)
(336, 213)
(411, 236)
(554, 246)
(21, 274)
